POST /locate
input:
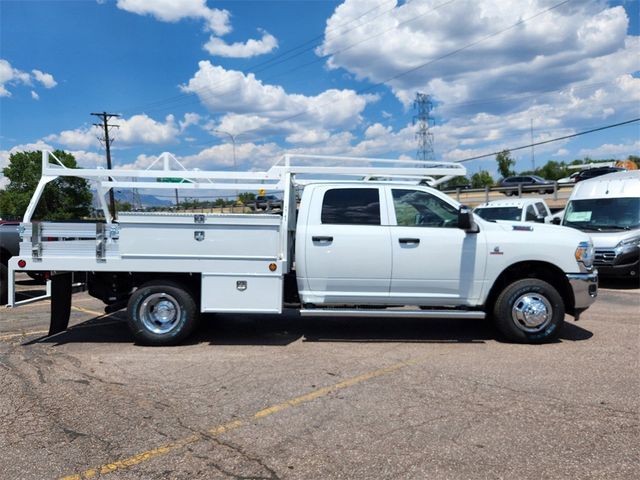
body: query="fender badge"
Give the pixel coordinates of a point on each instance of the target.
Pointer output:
(496, 251)
(522, 228)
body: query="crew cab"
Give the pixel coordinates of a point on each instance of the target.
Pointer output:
(351, 248)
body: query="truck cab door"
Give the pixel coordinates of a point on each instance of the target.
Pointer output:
(346, 247)
(434, 261)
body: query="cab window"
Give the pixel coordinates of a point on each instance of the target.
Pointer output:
(531, 215)
(351, 206)
(421, 209)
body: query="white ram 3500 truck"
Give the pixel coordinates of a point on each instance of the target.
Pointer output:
(351, 248)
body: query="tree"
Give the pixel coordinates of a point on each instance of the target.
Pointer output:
(481, 179)
(458, 181)
(247, 197)
(505, 162)
(65, 198)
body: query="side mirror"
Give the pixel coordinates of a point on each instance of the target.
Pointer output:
(556, 220)
(466, 221)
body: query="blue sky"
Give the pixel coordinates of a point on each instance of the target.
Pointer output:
(182, 71)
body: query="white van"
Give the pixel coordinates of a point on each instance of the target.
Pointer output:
(608, 209)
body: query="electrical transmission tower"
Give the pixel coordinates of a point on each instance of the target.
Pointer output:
(106, 141)
(423, 106)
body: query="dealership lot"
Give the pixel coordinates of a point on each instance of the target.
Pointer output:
(290, 397)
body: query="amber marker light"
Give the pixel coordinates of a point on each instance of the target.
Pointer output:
(273, 267)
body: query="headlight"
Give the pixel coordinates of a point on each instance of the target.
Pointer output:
(625, 246)
(584, 254)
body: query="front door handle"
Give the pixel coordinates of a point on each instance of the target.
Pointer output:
(412, 241)
(322, 239)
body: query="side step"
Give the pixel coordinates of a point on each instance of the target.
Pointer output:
(335, 312)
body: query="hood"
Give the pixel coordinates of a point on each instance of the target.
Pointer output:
(611, 239)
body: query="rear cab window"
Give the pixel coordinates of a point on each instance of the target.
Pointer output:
(351, 206)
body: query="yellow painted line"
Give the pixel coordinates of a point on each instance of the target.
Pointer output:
(99, 315)
(23, 334)
(86, 310)
(234, 424)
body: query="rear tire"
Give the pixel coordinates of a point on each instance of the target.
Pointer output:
(529, 311)
(162, 313)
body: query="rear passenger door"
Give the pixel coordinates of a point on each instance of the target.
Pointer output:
(347, 245)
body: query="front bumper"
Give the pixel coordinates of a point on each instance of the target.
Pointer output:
(585, 289)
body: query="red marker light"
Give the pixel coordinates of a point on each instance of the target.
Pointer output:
(22, 263)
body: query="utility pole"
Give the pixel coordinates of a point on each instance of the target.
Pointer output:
(423, 105)
(105, 117)
(232, 137)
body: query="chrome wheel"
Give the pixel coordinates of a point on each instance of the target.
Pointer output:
(531, 312)
(160, 313)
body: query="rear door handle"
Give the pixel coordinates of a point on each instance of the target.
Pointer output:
(322, 239)
(415, 241)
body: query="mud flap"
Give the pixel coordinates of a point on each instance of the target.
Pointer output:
(60, 302)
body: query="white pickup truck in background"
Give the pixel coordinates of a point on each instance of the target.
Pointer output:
(352, 248)
(529, 209)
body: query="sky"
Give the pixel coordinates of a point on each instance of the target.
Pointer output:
(321, 77)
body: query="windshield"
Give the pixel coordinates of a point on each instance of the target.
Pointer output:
(499, 213)
(603, 214)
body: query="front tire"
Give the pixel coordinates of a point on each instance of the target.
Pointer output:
(162, 313)
(529, 311)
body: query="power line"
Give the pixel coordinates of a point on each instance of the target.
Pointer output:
(430, 62)
(543, 142)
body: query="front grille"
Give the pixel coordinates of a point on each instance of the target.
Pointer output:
(604, 257)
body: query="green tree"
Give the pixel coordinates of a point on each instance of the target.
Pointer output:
(458, 181)
(553, 170)
(65, 198)
(123, 206)
(505, 162)
(481, 179)
(247, 197)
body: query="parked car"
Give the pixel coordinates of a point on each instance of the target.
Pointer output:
(608, 209)
(526, 181)
(268, 202)
(596, 172)
(570, 179)
(521, 210)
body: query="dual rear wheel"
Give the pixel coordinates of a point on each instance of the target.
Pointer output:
(162, 313)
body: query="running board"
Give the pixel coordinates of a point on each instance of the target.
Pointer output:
(320, 312)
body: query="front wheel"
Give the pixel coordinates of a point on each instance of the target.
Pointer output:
(529, 311)
(161, 313)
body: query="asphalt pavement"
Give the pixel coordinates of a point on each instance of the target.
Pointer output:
(269, 397)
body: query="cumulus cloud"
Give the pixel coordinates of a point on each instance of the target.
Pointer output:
(250, 48)
(46, 79)
(14, 76)
(35, 95)
(135, 130)
(573, 65)
(216, 20)
(609, 150)
(262, 108)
